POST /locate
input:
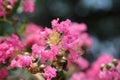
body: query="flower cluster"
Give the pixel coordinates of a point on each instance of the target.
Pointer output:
(21, 61)
(54, 53)
(104, 68)
(28, 6)
(53, 50)
(9, 47)
(6, 6)
(80, 76)
(62, 44)
(3, 73)
(35, 31)
(110, 71)
(95, 68)
(49, 72)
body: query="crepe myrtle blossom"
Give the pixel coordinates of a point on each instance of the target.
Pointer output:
(4, 8)
(9, 47)
(95, 67)
(37, 32)
(82, 63)
(3, 73)
(110, 71)
(49, 73)
(80, 76)
(104, 69)
(52, 49)
(28, 6)
(1, 2)
(15, 42)
(21, 61)
(45, 54)
(62, 26)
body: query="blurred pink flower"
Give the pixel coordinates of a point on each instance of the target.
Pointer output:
(32, 29)
(82, 63)
(6, 51)
(2, 11)
(21, 79)
(28, 6)
(15, 42)
(15, 63)
(35, 35)
(87, 40)
(1, 2)
(77, 27)
(73, 56)
(80, 76)
(95, 68)
(3, 73)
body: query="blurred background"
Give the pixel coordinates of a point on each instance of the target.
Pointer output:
(101, 16)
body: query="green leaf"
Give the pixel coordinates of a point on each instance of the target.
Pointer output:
(22, 29)
(16, 7)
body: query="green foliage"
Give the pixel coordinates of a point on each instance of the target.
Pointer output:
(5, 28)
(16, 7)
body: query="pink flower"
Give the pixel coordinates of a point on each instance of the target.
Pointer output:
(6, 51)
(15, 42)
(111, 74)
(87, 40)
(50, 54)
(9, 46)
(62, 26)
(76, 37)
(45, 54)
(21, 61)
(28, 6)
(37, 50)
(3, 73)
(80, 76)
(25, 60)
(95, 68)
(72, 42)
(47, 31)
(82, 63)
(21, 79)
(1, 2)
(49, 73)
(32, 29)
(73, 56)
(67, 41)
(77, 28)
(110, 71)
(37, 32)
(15, 63)
(35, 39)
(3, 6)
(2, 11)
